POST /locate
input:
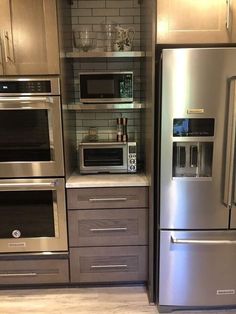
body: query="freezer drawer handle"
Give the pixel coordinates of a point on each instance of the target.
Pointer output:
(110, 199)
(195, 241)
(109, 229)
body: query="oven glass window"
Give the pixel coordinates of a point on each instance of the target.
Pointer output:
(103, 157)
(24, 135)
(26, 214)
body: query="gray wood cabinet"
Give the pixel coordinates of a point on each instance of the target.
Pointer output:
(108, 234)
(108, 227)
(109, 264)
(89, 198)
(32, 271)
(29, 37)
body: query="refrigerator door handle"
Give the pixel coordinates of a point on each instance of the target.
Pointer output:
(202, 241)
(230, 149)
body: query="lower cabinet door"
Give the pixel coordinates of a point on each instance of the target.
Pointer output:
(197, 268)
(33, 272)
(108, 264)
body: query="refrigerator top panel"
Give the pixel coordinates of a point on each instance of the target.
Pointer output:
(194, 126)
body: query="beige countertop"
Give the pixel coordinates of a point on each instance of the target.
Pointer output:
(106, 180)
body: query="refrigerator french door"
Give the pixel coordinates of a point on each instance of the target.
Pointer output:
(197, 178)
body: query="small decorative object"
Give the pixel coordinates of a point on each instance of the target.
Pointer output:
(124, 38)
(119, 129)
(109, 37)
(85, 40)
(125, 134)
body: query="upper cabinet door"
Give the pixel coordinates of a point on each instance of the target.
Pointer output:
(29, 37)
(191, 21)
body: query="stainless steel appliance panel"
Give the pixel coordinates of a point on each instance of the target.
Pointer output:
(195, 86)
(197, 268)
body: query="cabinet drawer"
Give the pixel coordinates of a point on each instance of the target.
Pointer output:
(108, 264)
(107, 198)
(33, 271)
(108, 227)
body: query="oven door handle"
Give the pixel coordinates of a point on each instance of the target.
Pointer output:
(28, 185)
(18, 103)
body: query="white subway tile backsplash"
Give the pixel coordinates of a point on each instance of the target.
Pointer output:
(119, 4)
(91, 20)
(81, 12)
(91, 4)
(95, 14)
(120, 19)
(105, 12)
(132, 12)
(136, 3)
(95, 123)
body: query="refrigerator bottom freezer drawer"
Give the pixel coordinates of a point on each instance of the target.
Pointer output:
(197, 268)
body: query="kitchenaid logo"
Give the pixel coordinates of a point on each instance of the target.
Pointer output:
(226, 291)
(20, 244)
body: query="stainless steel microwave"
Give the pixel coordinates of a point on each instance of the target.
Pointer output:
(107, 157)
(106, 87)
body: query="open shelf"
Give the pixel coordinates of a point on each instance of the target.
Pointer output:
(103, 106)
(105, 54)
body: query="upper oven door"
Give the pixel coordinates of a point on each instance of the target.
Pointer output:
(30, 137)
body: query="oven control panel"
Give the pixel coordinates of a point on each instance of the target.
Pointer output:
(25, 87)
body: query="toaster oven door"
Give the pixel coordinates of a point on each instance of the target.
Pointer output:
(102, 158)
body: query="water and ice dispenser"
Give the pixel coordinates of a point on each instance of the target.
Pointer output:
(193, 147)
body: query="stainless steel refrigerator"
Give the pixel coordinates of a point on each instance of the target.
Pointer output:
(197, 178)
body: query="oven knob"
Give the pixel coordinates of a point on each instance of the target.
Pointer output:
(16, 233)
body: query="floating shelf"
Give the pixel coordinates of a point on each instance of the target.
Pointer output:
(108, 54)
(124, 106)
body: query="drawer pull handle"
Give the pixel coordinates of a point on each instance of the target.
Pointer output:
(110, 199)
(108, 266)
(18, 275)
(108, 229)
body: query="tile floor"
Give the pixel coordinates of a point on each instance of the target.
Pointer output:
(100, 300)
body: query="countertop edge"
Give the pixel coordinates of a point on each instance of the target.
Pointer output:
(106, 180)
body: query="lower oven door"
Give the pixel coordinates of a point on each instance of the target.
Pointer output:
(32, 215)
(30, 137)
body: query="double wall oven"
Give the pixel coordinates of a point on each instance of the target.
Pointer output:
(32, 196)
